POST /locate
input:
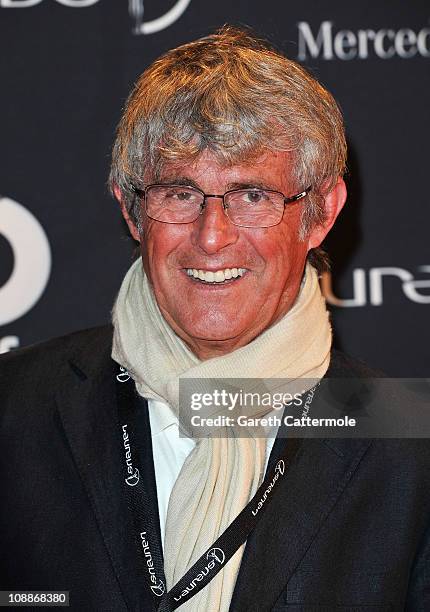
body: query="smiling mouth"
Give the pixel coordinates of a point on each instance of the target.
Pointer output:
(215, 277)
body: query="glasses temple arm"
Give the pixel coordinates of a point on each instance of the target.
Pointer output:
(298, 196)
(137, 191)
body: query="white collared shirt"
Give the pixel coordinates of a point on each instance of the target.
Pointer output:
(170, 451)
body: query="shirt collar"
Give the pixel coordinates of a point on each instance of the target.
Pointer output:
(161, 416)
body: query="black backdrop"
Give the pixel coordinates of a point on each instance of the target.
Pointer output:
(66, 68)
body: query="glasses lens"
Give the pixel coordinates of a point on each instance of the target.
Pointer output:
(173, 203)
(254, 207)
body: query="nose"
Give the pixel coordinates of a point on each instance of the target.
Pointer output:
(213, 230)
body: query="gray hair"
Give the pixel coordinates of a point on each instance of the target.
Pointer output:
(233, 94)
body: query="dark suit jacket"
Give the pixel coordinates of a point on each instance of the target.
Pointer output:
(349, 529)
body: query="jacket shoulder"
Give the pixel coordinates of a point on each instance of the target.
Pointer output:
(345, 366)
(42, 361)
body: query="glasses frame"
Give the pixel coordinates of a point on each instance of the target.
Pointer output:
(142, 193)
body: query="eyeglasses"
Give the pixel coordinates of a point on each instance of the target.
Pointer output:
(244, 207)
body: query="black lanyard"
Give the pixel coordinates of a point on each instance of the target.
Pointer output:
(140, 488)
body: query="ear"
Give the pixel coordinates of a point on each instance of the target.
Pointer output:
(131, 225)
(333, 204)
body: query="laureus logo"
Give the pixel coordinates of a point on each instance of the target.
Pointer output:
(158, 589)
(137, 12)
(134, 476)
(368, 286)
(217, 554)
(157, 585)
(213, 556)
(280, 466)
(279, 471)
(123, 375)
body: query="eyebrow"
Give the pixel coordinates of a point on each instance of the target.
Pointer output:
(187, 181)
(252, 185)
(178, 180)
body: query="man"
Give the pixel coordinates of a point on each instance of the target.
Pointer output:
(228, 169)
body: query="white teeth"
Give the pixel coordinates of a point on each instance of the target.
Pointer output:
(219, 276)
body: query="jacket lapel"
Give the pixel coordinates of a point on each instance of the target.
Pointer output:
(88, 410)
(313, 484)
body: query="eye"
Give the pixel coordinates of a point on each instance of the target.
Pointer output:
(182, 195)
(254, 196)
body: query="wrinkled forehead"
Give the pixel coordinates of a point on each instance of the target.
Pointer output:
(263, 166)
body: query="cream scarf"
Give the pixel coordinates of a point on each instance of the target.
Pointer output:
(220, 475)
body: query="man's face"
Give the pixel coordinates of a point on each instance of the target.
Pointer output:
(215, 318)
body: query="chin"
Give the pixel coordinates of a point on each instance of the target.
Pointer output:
(206, 330)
